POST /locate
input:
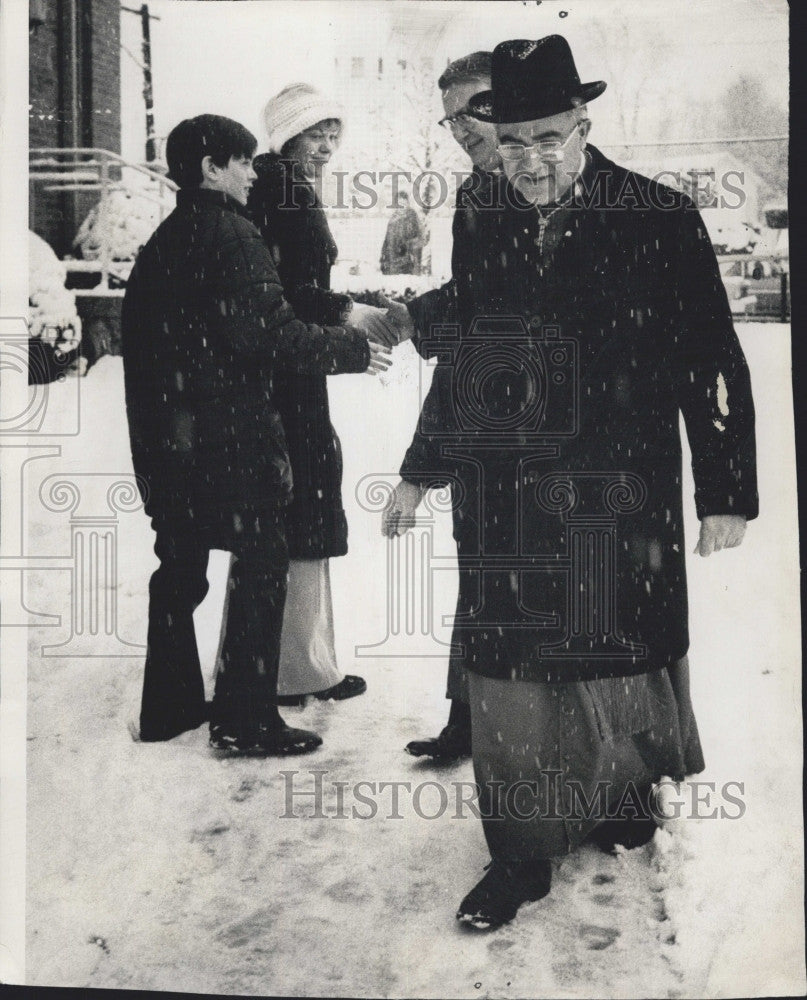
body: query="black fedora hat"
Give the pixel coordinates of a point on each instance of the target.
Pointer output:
(532, 80)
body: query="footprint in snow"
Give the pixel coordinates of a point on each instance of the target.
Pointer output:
(245, 790)
(347, 891)
(500, 944)
(212, 828)
(337, 763)
(597, 938)
(254, 927)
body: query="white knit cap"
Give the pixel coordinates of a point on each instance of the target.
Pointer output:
(296, 108)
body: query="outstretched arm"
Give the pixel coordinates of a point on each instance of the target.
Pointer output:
(249, 309)
(714, 390)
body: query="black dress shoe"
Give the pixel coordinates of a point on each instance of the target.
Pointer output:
(453, 742)
(627, 833)
(496, 898)
(349, 687)
(267, 742)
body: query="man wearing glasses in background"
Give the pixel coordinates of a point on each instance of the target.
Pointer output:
(460, 81)
(592, 299)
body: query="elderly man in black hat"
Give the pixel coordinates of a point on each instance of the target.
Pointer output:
(591, 316)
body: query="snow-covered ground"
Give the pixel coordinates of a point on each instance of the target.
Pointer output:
(162, 867)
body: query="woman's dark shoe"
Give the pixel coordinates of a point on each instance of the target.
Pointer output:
(453, 742)
(267, 742)
(496, 898)
(348, 687)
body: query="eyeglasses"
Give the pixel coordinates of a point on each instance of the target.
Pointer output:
(319, 135)
(548, 150)
(459, 120)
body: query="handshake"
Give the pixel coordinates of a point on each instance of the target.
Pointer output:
(384, 329)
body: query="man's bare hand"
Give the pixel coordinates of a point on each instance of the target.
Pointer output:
(720, 531)
(399, 515)
(380, 359)
(373, 322)
(398, 317)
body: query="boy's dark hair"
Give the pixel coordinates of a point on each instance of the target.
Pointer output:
(205, 135)
(473, 67)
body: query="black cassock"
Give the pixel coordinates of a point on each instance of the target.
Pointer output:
(567, 344)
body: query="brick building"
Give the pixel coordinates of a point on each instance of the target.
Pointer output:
(74, 99)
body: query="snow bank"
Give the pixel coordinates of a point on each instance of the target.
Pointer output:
(52, 315)
(346, 278)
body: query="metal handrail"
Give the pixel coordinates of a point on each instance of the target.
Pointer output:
(87, 169)
(67, 175)
(105, 155)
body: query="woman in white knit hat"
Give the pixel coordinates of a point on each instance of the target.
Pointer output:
(304, 128)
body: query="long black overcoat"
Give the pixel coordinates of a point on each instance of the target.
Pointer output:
(207, 334)
(290, 217)
(568, 343)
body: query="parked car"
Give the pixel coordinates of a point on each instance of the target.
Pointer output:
(754, 285)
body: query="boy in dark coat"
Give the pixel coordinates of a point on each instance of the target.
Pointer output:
(205, 331)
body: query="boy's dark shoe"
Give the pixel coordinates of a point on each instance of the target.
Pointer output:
(276, 741)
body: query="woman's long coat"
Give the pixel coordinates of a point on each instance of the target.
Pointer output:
(567, 345)
(287, 211)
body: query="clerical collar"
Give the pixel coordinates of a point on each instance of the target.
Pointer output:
(575, 188)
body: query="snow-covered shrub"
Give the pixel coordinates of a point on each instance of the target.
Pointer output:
(372, 296)
(52, 315)
(364, 287)
(122, 221)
